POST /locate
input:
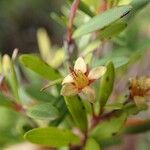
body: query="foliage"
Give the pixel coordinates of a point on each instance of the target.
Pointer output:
(34, 86)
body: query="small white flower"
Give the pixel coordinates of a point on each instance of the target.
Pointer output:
(78, 81)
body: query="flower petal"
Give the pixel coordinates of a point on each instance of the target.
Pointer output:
(97, 72)
(80, 65)
(139, 100)
(68, 79)
(88, 94)
(69, 89)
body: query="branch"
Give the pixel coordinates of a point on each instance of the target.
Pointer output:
(72, 13)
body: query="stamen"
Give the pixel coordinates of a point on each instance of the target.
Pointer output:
(80, 79)
(71, 69)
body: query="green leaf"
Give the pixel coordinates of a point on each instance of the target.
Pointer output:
(106, 84)
(39, 66)
(102, 20)
(5, 101)
(44, 111)
(118, 61)
(52, 137)
(78, 112)
(108, 128)
(51, 56)
(112, 30)
(91, 144)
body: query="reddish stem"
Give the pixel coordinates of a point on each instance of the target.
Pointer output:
(72, 13)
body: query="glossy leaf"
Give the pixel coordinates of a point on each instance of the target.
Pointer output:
(39, 66)
(52, 137)
(77, 110)
(101, 21)
(45, 111)
(106, 84)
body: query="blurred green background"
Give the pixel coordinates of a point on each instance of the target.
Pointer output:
(19, 21)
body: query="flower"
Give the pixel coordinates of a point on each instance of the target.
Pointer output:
(79, 79)
(140, 90)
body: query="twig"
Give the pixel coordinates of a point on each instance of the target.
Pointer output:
(96, 119)
(69, 43)
(71, 18)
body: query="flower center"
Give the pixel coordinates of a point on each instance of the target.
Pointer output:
(80, 79)
(139, 87)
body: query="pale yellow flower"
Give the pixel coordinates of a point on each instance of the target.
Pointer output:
(140, 90)
(78, 81)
